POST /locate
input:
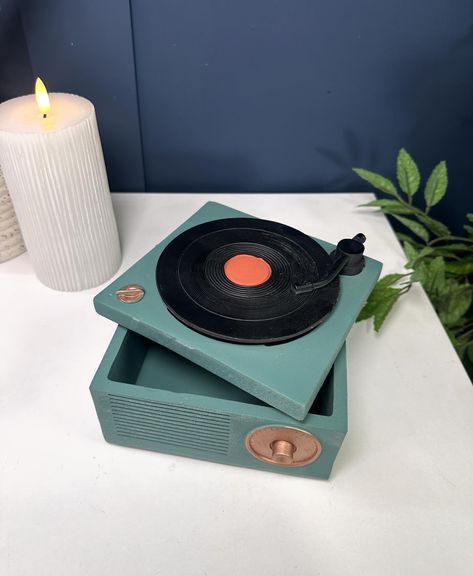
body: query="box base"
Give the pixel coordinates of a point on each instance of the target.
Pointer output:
(148, 397)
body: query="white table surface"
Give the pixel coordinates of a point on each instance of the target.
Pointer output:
(400, 500)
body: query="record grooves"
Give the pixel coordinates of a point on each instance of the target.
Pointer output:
(195, 271)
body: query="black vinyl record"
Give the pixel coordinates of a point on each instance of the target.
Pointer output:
(196, 278)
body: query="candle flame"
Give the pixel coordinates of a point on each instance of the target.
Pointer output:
(42, 98)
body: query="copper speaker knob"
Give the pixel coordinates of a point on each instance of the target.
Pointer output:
(283, 451)
(130, 294)
(283, 446)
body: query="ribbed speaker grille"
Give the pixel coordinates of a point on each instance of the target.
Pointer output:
(169, 424)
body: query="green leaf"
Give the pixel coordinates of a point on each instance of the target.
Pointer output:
(427, 251)
(453, 338)
(414, 227)
(436, 185)
(378, 181)
(452, 308)
(420, 274)
(407, 173)
(453, 251)
(469, 352)
(469, 216)
(456, 247)
(447, 254)
(385, 307)
(437, 281)
(431, 276)
(405, 238)
(416, 256)
(390, 206)
(461, 268)
(381, 300)
(410, 252)
(388, 280)
(372, 303)
(436, 227)
(469, 229)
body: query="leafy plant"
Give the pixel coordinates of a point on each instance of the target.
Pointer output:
(440, 261)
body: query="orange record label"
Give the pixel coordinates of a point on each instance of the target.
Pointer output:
(247, 270)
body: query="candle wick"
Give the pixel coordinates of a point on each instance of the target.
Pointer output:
(44, 115)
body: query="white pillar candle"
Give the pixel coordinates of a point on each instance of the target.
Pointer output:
(55, 172)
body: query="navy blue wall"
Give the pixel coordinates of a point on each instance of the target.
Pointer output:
(262, 95)
(15, 66)
(86, 48)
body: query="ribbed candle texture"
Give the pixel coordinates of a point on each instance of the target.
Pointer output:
(57, 181)
(11, 240)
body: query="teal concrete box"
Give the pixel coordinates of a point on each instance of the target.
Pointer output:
(164, 386)
(149, 397)
(266, 372)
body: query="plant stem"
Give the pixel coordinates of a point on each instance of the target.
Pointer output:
(462, 288)
(467, 326)
(462, 336)
(425, 212)
(445, 238)
(409, 205)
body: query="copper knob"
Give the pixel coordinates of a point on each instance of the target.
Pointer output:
(283, 451)
(283, 446)
(130, 294)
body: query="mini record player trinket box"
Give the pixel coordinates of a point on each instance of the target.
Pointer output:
(231, 344)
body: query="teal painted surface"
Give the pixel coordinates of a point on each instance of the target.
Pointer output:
(286, 376)
(151, 398)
